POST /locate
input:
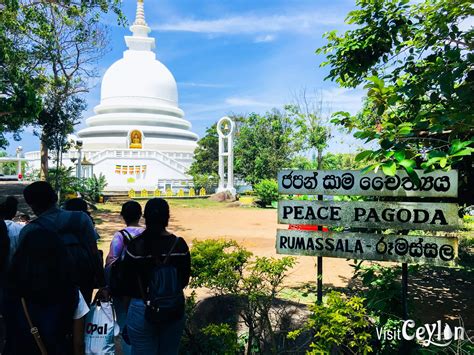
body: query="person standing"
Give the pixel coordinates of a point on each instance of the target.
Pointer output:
(79, 204)
(131, 213)
(41, 294)
(8, 211)
(76, 231)
(154, 245)
(4, 251)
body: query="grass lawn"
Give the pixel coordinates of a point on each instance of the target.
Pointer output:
(179, 203)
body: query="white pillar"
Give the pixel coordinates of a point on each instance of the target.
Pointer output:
(221, 165)
(225, 130)
(230, 163)
(19, 151)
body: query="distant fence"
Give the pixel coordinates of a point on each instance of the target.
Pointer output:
(168, 193)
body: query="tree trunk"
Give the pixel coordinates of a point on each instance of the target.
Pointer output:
(43, 161)
(250, 341)
(58, 174)
(320, 159)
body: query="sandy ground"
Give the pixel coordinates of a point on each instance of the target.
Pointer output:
(255, 229)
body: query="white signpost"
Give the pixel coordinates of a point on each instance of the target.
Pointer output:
(372, 215)
(441, 251)
(380, 215)
(353, 182)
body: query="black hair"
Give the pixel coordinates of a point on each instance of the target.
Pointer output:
(39, 268)
(40, 194)
(75, 204)
(9, 208)
(157, 213)
(131, 212)
(78, 204)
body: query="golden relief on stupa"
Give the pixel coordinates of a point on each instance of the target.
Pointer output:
(136, 140)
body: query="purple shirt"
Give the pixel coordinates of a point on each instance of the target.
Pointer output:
(117, 245)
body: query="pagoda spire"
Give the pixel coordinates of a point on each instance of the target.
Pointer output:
(140, 16)
(140, 30)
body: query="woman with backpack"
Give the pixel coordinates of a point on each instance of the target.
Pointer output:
(43, 310)
(131, 213)
(159, 266)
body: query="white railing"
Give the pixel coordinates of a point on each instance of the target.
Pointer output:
(96, 157)
(136, 154)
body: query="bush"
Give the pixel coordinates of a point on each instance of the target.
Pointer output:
(217, 264)
(340, 325)
(383, 289)
(226, 268)
(93, 187)
(220, 339)
(267, 191)
(63, 181)
(205, 181)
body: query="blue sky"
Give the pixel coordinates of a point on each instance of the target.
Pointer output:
(236, 57)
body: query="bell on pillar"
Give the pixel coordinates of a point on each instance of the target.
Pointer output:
(225, 130)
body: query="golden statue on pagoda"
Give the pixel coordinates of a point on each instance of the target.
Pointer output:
(136, 140)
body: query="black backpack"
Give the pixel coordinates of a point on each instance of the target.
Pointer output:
(80, 258)
(117, 273)
(164, 297)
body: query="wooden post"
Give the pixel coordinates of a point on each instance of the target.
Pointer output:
(404, 346)
(404, 291)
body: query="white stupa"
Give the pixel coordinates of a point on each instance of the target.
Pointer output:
(138, 137)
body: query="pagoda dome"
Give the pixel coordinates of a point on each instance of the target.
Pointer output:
(139, 75)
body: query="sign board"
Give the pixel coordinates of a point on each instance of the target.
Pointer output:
(353, 182)
(441, 251)
(381, 215)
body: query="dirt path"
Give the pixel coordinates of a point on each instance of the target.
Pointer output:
(253, 228)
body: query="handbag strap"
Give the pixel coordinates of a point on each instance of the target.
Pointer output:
(34, 331)
(127, 237)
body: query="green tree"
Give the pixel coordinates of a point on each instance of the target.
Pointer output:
(308, 112)
(48, 51)
(342, 161)
(10, 168)
(265, 144)
(415, 60)
(206, 155)
(19, 83)
(206, 160)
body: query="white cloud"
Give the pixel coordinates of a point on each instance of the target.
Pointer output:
(247, 102)
(202, 85)
(341, 99)
(265, 38)
(251, 24)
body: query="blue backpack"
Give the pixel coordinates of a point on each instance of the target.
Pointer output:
(164, 297)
